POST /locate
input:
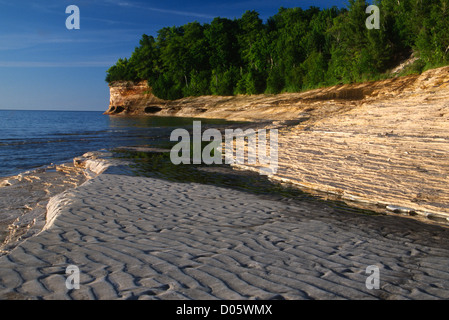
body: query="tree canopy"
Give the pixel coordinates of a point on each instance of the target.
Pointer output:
(293, 50)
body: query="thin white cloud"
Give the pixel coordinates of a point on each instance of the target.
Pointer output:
(28, 39)
(44, 64)
(181, 13)
(141, 6)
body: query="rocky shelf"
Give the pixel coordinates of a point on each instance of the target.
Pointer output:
(384, 142)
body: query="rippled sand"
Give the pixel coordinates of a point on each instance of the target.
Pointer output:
(144, 238)
(135, 237)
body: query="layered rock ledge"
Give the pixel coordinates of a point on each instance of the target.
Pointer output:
(384, 142)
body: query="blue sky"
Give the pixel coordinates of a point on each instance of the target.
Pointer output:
(45, 66)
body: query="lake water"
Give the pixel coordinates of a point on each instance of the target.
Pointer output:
(31, 139)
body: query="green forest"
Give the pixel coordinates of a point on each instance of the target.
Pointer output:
(294, 50)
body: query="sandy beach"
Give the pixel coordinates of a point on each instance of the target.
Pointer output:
(143, 238)
(242, 153)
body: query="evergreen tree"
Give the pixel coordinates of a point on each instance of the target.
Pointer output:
(293, 50)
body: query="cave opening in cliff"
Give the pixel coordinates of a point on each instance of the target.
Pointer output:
(152, 109)
(116, 110)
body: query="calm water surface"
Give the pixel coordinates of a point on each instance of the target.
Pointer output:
(30, 139)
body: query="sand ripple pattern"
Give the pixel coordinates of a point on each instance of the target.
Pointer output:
(144, 238)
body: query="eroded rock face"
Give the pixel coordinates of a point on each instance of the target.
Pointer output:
(129, 98)
(383, 142)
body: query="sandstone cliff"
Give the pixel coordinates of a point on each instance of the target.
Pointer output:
(385, 142)
(127, 98)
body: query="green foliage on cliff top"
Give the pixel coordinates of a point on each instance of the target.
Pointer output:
(293, 50)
